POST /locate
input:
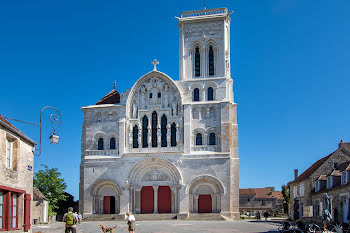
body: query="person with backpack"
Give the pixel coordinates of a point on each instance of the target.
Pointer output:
(70, 219)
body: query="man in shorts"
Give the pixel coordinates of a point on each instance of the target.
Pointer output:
(71, 220)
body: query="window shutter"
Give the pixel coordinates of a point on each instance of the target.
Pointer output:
(27, 200)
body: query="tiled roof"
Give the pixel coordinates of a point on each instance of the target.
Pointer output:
(261, 193)
(11, 127)
(37, 195)
(311, 169)
(112, 97)
(322, 177)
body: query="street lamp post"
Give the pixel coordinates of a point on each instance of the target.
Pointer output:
(55, 119)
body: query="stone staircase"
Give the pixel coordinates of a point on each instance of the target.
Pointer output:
(206, 217)
(105, 217)
(149, 217)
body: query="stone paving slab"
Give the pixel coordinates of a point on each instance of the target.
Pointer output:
(171, 226)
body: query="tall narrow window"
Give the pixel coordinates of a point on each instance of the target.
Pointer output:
(199, 139)
(8, 153)
(144, 131)
(212, 139)
(164, 131)
(211, 61)
(14, 211)
(100, 144)
(210, 93)
(196, 94)
(135, 137)
(197, 62)
(1, 209)
(173, 134)
(154, 129)
(112, 143)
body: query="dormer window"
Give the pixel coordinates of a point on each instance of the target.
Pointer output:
(317, 186)
(329, 182)
(343, 177)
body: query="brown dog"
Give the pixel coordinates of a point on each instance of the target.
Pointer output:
(107, 229)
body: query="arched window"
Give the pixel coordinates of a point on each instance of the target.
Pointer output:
(196, 94)
(211, 61)
(135, 137)
(173, 134)
(154, 129)
(212, 139)
(199, 139)
(144, 131)
(197, 63)
(164, 131)
(210, 93)
(112, 143)
(100, 144)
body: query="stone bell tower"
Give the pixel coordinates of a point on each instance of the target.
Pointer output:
(204, 44)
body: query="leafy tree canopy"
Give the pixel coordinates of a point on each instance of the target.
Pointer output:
(48, 181)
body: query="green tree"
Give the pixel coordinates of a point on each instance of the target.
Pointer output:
(286, 197)
(48, 181)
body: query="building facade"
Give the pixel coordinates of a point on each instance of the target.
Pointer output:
(328, 175)
(168, 146)
(40, 213)
(16, 178)
(255, 200)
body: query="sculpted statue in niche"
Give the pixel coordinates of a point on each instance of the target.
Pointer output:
(143, 97)
(166, 96)
(155, 175)
(134, 110)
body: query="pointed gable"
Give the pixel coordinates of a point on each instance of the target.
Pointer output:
(112, 97)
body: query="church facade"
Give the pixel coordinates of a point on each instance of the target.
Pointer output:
(168, 146)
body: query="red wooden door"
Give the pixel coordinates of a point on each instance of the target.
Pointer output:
(147, 200)
(107, 205)
(164, 199)
(204, 204)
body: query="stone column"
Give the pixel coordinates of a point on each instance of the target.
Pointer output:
(172, 199)
(168, 135)
(124, 201)
(195, 204)
(183, 201)
(133, 200)
(117, 205)
(213, 203)
(155, 188)
(138, 200)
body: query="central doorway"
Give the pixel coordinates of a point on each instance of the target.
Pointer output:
(108, 204)
(147, 200)
(164, 199)
(204, 204)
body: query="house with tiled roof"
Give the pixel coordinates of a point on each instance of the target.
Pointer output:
(253, 200)
(16, 178)
(40, 210)
(327, 175)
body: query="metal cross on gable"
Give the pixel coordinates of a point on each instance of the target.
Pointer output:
(155, 63)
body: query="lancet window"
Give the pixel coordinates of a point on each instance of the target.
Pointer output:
(196, 94)
(164, 131)
(154, 129)
(135, 137)
(100, 144)
(144, 131)
(199, 139)
(197, 62)
(112, 143)
(211, 60)
(173, 134)
(210, 93)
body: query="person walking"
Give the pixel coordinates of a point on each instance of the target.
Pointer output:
(266, 215)
(131, 222)
(258, 216)
(79, 217)
(71, 220)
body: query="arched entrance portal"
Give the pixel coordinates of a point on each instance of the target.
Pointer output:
(205, 194)
(106, 197)
(154, 186)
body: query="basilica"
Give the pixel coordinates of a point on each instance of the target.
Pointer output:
(168, 146)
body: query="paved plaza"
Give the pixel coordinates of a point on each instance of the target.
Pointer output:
(175, 226)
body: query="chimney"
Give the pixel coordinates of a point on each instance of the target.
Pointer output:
(341, 141)
(295, 173)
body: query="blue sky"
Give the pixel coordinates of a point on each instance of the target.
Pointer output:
(289, 59)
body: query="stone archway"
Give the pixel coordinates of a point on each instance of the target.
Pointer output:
(157, 178)
(106, 197)
(205, 194)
